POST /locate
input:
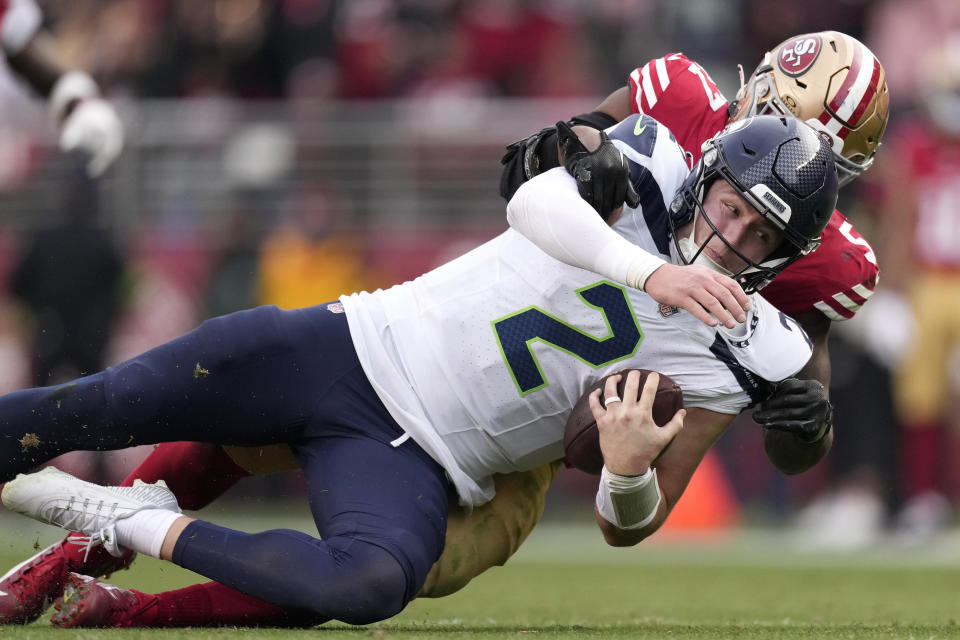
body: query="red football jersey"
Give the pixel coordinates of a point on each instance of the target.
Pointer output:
(930, 164)
(679, 93)
(837, 278)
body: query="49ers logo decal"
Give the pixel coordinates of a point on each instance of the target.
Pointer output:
(798, 54)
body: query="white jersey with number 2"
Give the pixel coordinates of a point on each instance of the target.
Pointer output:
(481, 360)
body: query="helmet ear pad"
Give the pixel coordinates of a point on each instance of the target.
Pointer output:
(783, 169)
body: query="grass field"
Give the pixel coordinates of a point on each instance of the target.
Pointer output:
(565, 583)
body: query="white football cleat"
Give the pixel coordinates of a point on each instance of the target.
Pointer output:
(59, 498)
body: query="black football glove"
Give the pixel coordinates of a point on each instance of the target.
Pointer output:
(526, 158)
(535, 154)
(603, 176)
(797, 406)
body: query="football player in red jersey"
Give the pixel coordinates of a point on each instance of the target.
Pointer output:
(198, 473)
(835, 84)
(86, 122)
(919, 233)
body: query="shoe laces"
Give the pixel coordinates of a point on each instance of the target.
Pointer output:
(101, 537)
(82, 517)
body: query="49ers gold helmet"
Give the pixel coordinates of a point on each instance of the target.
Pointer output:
(832, 82)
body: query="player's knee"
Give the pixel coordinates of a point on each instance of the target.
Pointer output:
(339, 578)
(375, 586)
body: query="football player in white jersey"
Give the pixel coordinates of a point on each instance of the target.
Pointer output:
(390, 398)
(835, 84)
(85, 121)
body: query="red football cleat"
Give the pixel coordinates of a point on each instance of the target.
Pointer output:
(88, 602)
(28, 589)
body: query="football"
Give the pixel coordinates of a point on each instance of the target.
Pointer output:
(581, 440)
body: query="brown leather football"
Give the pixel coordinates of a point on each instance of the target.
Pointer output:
(581, 440)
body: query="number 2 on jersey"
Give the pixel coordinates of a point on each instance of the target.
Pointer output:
(517, 331)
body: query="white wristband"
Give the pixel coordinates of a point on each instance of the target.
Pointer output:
(629, 502)
(71, 86)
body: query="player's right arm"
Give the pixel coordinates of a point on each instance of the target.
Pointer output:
(674, 470)
(549, 212)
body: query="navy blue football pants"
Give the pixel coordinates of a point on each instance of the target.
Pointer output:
(259, 377)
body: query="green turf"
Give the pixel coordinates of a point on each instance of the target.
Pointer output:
(566, 584)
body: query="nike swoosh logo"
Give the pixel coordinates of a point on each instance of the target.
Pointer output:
(637, 129)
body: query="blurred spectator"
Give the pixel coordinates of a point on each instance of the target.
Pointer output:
(257, 163)
(527, 49)
(86, 122)
(376, 49)
(233, 278)
(900, 32)
(310, 258)
(919, 239)
(364, 49)
(309, 33)
(116, 41)
(69, 281)
(772, 22)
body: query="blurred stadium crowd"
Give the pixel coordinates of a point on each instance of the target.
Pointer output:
(284, 152)
(382, 49)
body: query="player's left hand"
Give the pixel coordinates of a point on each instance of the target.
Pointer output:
(602, 175)
(94, 128)
(797, 406)
(525, 159)
(630, 440)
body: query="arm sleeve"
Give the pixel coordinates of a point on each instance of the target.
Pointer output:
(549, 211)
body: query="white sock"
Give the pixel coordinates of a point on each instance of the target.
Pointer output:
(145, 530)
